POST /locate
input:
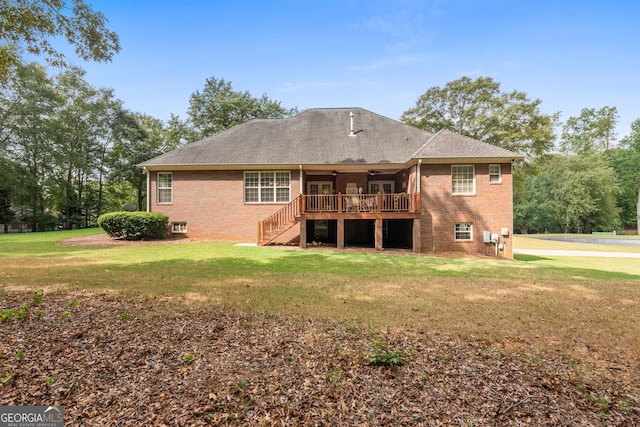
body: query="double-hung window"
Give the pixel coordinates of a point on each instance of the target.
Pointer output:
(165, 187)
(495, 174)
(463, 232)
(463, 179)
(267, 187)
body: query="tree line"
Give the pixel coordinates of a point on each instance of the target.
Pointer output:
(68, 150)
(576, 176)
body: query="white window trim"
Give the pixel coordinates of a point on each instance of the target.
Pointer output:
(499, 181)
(473, 190)
(259, 187)
(179, 227)
(456, 231)
(164, 188)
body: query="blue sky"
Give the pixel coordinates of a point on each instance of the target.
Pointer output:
(379, 55)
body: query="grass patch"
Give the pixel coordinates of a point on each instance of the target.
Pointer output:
(607, 267)
(545, 241)
(530, 303)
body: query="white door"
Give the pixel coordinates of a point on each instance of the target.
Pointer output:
(385, 187)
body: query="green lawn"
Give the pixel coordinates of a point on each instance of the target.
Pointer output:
(531, 303)
(599, 263)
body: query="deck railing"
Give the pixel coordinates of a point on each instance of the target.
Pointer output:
(272, 225)
(344, 203)
(275, 224)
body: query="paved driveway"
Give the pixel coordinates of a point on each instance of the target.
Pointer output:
(596, 240)
(597, 254)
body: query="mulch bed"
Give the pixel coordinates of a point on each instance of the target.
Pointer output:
(132, 362)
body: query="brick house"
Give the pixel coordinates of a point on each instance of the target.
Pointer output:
(341, 176)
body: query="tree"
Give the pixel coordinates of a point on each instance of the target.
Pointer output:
(80, 127)
(632, 141)
(26, 108)
(569, 194)
(625, 160)
(593, 131)
(218, 107)
(8, 185)
(480, 110)
(138, 137)
(31, 24)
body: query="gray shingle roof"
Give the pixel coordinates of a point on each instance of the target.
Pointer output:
(322, 137)
(446, 144)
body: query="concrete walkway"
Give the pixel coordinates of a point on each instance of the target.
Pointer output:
(597, 254)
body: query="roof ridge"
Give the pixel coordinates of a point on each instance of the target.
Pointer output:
(431, 138)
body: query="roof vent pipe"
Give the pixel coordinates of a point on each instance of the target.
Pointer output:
(352, 133)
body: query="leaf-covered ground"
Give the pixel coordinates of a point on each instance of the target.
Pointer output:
(128, 362)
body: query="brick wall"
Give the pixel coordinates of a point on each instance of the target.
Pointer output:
(212, 204)
(490, 209)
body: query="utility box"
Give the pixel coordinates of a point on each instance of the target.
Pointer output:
(504, 232)
(494, 238)
(486, 236)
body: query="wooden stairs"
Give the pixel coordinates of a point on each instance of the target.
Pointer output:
(279, 222)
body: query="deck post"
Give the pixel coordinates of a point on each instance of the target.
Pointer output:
(417, 236)
(378, 234)
(303, 233)
(340, 232)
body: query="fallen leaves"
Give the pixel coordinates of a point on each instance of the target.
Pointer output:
(259, 369)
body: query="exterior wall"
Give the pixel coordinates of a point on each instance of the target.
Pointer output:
(490, 209)
(212, 204)
(343, 179)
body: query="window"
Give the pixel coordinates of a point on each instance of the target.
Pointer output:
(178, 227)
(165, 187)
(267, 187)
(495, 174)
(463, 179)
(463, 232)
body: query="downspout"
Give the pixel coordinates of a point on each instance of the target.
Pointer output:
(418, 168)
(513, 165)
(301, 185)
(148, 188)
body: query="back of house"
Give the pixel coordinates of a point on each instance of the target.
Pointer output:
(342, 177)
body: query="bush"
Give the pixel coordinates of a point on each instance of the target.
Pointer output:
(134, 225)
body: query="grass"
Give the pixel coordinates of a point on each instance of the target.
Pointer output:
(544, 241)
(570, 306)
(603, 264)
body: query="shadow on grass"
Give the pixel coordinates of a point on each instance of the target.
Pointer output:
(529, 258)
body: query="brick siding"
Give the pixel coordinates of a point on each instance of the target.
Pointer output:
(212, 205)
(489, 209)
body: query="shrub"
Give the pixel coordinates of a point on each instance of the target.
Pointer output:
(134, 225)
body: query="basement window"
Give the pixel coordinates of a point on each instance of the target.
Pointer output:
(463, 232)
(178, 227)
